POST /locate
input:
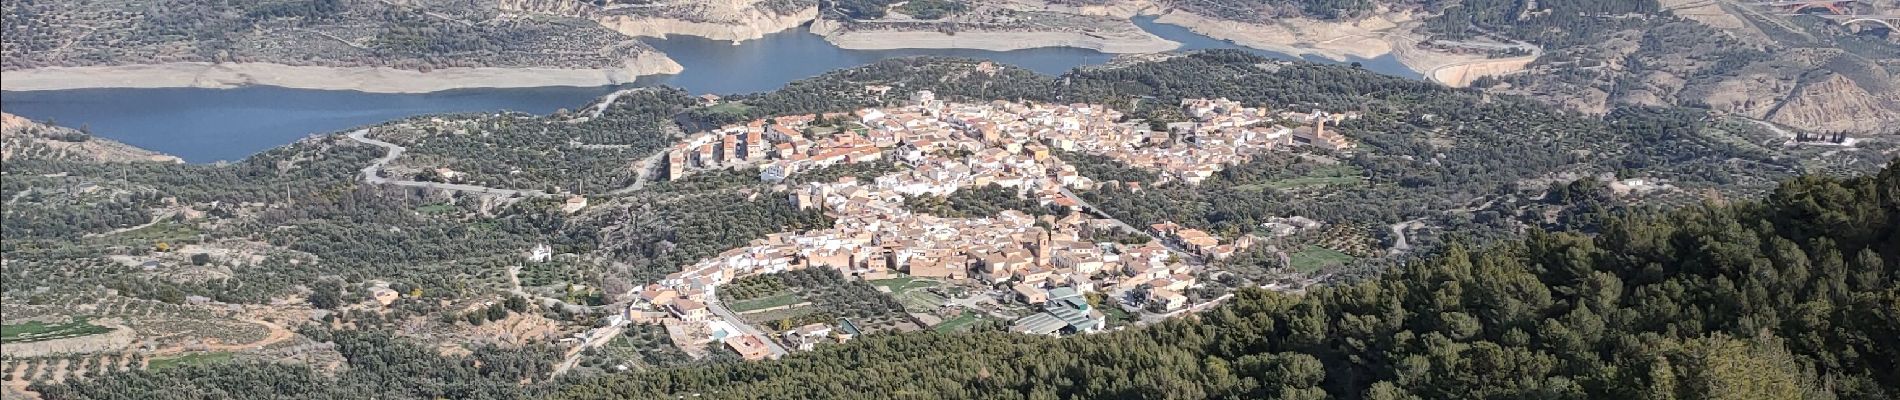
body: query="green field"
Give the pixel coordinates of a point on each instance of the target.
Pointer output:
(921, 301)
(1312, 258)
(901, 284)
(1115, 315)
(730, 108)
(777, 300)
(439, 208)
(799, 312)
(167, 231)
(959, 323)
(189, 359)
(37, 331)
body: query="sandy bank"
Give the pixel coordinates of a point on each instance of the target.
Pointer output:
(1463, 73)
(1389, 33)
(1297, 36)
(1123, 9)
(366, 79)
(752, 25)
(1136, 41)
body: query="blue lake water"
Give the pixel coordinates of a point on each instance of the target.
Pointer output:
(206, 125)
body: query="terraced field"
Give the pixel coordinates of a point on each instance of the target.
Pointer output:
(1312, 258)
(816, 296)
(35, 331)
(190, 359)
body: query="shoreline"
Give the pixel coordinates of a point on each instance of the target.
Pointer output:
(751, 26)
(1298, 37)
(363, 79)
(845, 38)
(1339, 41)
(992, 41)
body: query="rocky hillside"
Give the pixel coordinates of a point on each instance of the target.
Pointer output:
(1804, 72)
(21, 138)
(411, 34)
(714, 19)
(1592, 56)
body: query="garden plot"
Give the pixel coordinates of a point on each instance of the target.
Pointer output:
(640, 346)
(901, 285)
(190, 359)
(921, 301)
(58, 368)
(963, 323)
(34, 331)
(922, 296)
(1313, 258)
(763, 296)
(1354, 241)
(199, 330)
(821, 295)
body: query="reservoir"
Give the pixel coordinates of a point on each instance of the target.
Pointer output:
(208, 125)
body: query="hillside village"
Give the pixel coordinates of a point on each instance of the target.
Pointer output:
(1045, 262)
(1224, 132)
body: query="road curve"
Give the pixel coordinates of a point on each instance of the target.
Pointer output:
(373, 173)
(1536, 52)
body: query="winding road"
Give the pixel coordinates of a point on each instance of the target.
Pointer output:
(155, 220)
(645, 173)
(1400, 242)
(373, 173)
(1461, 81)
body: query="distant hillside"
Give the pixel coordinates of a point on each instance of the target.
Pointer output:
(1596, 55)
(1735, 57)
(412, 35)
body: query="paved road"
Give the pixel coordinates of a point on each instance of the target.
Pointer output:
(573, 357)
(1536, 52)
(1772, 127)
(374, 172)
(1400, 243)
(155, 220)
(645, 173)
(608, 101)
(722, 312)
